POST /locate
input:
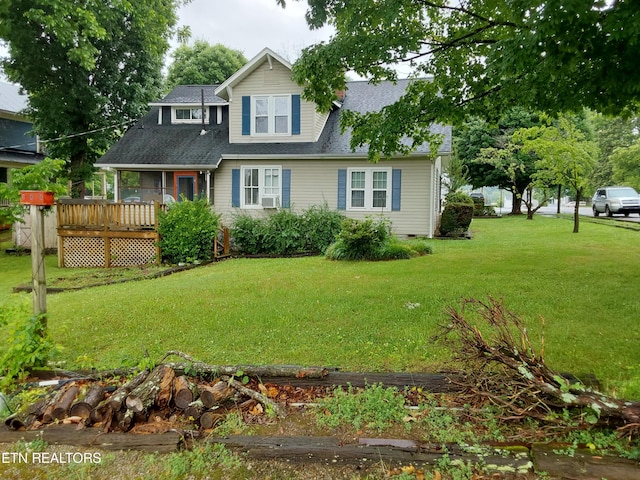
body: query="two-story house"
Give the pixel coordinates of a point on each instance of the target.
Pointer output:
(252, 144)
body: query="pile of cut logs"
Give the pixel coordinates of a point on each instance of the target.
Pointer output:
(160, 393)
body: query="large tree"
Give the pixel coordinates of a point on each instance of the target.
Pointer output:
(612, 133)
(479, 57)
(203, 64)
(567, 156)
(626, 165)
(88, 67)
(491, 156)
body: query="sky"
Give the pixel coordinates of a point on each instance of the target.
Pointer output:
(251, 25)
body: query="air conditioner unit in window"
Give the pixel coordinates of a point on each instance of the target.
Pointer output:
(270, 202)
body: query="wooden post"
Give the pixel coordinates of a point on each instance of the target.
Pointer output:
(37, 261)
(107, 240)
(226, 241)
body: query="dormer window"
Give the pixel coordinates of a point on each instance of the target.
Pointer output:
(276, 115)
(188, 115)
(271, 115)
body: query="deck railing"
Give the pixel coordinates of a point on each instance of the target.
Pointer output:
(102, 215)
(105, 234)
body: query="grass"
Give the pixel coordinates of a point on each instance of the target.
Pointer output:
(373, 316)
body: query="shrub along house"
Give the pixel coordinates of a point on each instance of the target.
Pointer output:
(252, 144)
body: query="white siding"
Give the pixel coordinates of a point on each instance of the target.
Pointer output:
(320, 121)
(314, 182)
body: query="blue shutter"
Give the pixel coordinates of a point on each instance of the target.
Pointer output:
(246, 115)
(286, 188)
(396, 184)
(235, 187)
(295, 114)
(342, 189)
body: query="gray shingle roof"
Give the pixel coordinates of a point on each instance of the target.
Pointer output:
(148, 143)
(190, 94)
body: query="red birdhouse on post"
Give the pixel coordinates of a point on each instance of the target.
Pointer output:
(37, 200)
(36, 197)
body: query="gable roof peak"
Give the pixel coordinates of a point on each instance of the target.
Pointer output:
(266, 54)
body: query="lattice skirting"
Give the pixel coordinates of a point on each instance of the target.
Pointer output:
(126, 252)
(123, 252)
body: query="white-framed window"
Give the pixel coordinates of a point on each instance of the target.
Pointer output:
(188, 114)
(369, 189)
(260, 183)
(271, 115)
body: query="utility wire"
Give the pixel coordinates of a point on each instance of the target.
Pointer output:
(73, 135)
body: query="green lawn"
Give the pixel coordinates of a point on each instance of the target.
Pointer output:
(373, 316)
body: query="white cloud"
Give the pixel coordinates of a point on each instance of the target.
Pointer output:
(251, 25)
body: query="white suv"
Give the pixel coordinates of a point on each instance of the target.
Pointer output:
(610, 200)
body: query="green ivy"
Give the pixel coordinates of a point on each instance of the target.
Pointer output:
(26, 341)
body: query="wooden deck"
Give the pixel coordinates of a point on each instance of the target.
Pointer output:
(105, 234)
(99, 233)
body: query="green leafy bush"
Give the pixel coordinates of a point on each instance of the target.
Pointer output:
(458, 197)
(360, 240)
(321, 227)
(482, 210)
(478, 206)
(285, 232)
(26, 342)
(44, 175)
(372, 240)
(187, 231)
(457, 214)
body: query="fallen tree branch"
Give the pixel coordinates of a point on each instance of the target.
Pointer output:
(505, 343)
(205, 369)
(256, 396)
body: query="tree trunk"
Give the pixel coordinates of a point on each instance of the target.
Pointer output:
(125, 420)
(25, 418)
(576, 211)
(79, 173)
(530, 210)
(194, 410)
(516, 202)
(156, 389)
(211, 419)
(47, 415)
(114, 402)
(211, 396)
(84, 407)
(559, 196)
(183, 392)
(212, 371)
(61, 409)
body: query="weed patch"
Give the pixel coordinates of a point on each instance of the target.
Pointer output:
(375, 407)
